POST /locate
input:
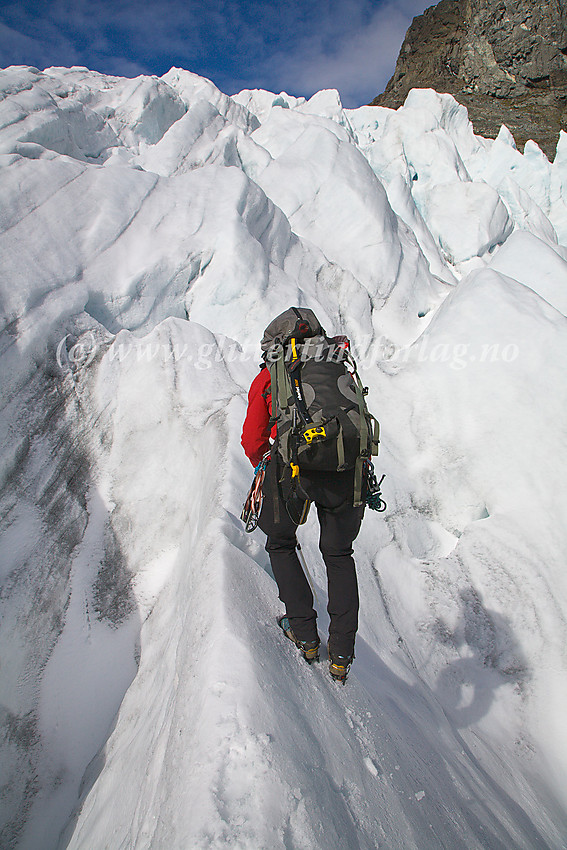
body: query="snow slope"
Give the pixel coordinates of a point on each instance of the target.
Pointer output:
(150, 229)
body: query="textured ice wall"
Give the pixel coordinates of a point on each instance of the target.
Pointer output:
(129, 206)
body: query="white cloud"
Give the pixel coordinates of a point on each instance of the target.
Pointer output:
(17, 48)
(358, 64)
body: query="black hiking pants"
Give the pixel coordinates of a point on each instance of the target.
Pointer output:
(339, 520)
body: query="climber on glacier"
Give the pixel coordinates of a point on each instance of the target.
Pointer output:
(308, 432)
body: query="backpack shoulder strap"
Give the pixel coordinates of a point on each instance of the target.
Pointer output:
(281, 392)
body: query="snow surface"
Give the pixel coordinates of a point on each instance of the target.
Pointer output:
(150, 229)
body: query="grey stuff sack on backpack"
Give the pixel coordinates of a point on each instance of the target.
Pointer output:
(300, 321)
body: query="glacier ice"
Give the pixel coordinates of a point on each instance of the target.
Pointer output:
(149, 230)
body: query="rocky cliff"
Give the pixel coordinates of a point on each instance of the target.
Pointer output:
(505, 60)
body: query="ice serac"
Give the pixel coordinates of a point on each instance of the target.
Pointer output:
(468, 219)
(315, 163)
(260, 102)
(150, 229)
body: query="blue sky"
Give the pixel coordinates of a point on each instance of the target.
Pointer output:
(299, 46)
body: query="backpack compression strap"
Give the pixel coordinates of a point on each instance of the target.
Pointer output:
(369, 440)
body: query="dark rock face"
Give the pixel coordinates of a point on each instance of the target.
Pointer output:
(505, 60)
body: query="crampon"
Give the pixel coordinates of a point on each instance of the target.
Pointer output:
(308, 648)
(339, 666)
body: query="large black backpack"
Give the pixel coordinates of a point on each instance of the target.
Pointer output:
(318, 402)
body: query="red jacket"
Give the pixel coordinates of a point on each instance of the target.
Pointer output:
(256, 429)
